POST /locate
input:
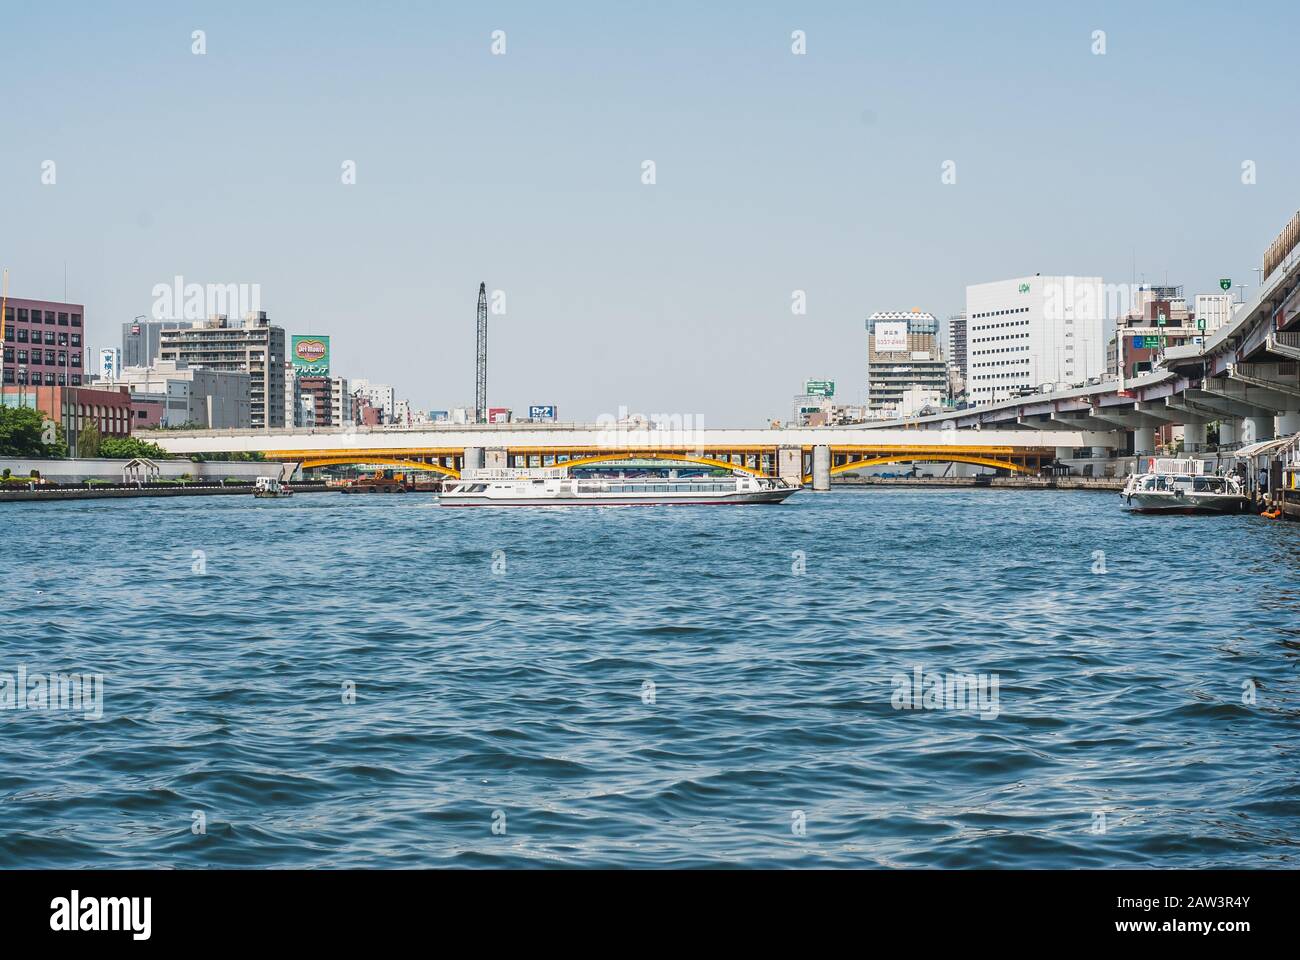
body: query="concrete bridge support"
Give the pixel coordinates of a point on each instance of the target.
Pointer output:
(1194, 437)
(1064, 453)
(1229, 431)
(1144, 441)
(473, 458)
(821, 469)
(1255, 429)
(494, 458)
(1288, 423)
(789, 465)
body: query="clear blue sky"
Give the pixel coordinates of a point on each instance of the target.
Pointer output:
(775, 173)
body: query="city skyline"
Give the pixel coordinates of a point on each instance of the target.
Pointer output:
(775, 172)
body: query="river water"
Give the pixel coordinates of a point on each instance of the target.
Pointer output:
(346, 681)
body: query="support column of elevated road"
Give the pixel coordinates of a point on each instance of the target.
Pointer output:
(821, 467)
(495, 458)
(473, 458)
(1141, 423)
(1288, 423)
(1255, 429)
(1229, 431)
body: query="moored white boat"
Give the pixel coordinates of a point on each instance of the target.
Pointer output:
(1181, 486)
(271, 488)
(555, 487)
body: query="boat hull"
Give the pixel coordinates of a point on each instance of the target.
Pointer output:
(738, 499)
(1187, 505)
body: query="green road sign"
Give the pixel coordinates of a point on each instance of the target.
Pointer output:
(1200, 324)
(1225, 284)
(1160, 320)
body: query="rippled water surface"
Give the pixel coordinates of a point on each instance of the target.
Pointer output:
(650, 687)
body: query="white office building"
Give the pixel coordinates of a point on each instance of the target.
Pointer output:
(1024, 334)
(1215, 309)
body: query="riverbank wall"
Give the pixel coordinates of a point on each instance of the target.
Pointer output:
(81, 470)
(126, 491)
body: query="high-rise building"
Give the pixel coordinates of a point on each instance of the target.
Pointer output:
(254, 346)
(142, 340)
(1025, 333)
(902, 353)
(957, 342)
(43, 343)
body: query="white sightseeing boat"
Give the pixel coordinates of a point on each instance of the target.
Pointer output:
(1182, 486)
(555, 487)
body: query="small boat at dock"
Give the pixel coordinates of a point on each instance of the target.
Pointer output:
(1182, 487)
(270, 488)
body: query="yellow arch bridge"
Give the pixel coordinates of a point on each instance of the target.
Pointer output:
(759, 461)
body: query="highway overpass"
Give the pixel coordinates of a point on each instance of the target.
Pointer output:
(1245, 377)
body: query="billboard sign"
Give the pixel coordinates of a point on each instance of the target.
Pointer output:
(819, 388)
(498, 415)
(310, 355)
(541, 411)
(110, 363)
(891, 336)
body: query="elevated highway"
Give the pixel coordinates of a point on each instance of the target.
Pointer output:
(1245, 378)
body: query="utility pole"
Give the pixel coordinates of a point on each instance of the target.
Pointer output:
(480, 360)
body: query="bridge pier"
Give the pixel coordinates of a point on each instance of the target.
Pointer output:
(1144, 441)
(1288, 422)
(821, 467)
(1194, 437)
(789, 465)
(1229, 431)
(473, 459)
(495, 458)
(1255, 429)
(1064, 453)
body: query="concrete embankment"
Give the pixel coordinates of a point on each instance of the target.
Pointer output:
(48, 494)
(1104, 484)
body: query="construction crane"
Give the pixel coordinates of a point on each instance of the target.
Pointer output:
(480, 361)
